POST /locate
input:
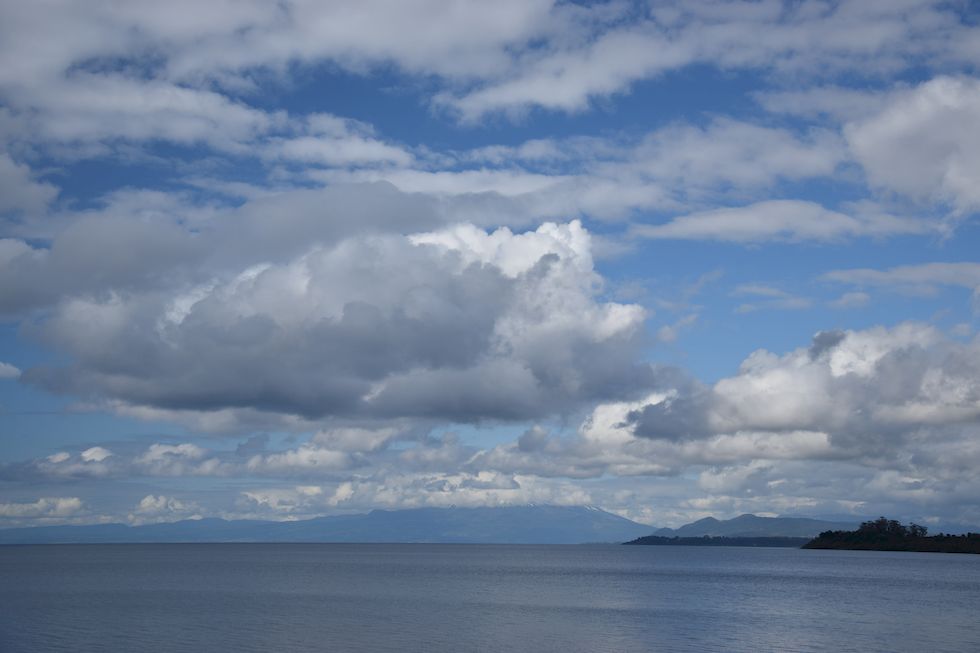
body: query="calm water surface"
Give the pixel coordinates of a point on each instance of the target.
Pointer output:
(441, 598)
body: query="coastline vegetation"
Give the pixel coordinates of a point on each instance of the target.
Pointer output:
(889, 535)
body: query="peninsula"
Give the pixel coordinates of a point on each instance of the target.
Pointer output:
(889, 535)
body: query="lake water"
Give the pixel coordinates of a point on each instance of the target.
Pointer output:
(442, 598)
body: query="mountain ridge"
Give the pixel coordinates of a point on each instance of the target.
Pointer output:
(749, 525)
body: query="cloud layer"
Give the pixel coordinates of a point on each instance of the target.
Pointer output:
(457, 324)
(325, 257)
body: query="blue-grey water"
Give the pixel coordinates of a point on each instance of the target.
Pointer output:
(442, 598)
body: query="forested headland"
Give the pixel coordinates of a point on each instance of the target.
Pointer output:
(889, 535)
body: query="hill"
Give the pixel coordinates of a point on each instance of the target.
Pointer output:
(753, 526)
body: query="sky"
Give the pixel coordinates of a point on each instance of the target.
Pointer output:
(282, 260)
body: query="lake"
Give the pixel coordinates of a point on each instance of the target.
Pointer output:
(442, 598)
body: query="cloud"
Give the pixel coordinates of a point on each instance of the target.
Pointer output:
(922, 279)
(454, 40)
(733, 154)
(105, 107)
(849, 416)
(175, 460)
(79, 260)
(302, 499)
(780, 220)
(612, 178)
(459, 324)
(569, 79)
(342, 327)
(612, 443)
(603, 59)
(900, 398)
(304, 460)
(440, 490)
(184, 459)
(328, 140)
(851, 300)
(868, 390)
(150, 242)
(507, 182)
(767, 297)
(147, 72)
(19, 189)
(889, 415)
(94, 462)
(670, 332)
(43, 508)
(358, 439)
(924, 144)
(97, 462)
(839, 103)
(154, 509)
(95, 454)
(94, 114)
(91, 78)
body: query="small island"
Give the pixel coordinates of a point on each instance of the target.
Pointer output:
(889, 535)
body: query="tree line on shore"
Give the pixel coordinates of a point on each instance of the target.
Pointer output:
(890, 535)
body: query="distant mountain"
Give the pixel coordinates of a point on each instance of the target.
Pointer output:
(513, 524)
(753, 526)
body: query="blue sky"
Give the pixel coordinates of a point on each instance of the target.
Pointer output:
(672, 259)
